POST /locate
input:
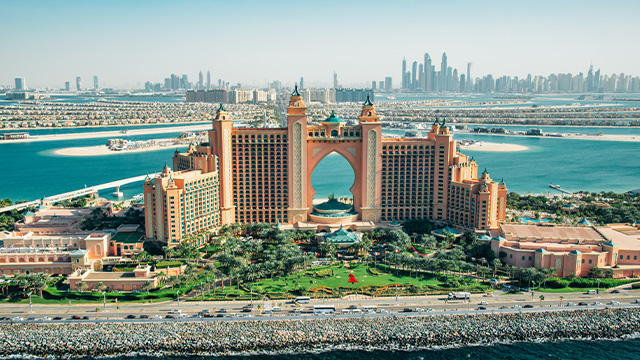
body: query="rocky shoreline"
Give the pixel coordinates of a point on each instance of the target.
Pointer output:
(307, 335)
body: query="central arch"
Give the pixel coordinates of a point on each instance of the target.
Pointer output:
(349, 151)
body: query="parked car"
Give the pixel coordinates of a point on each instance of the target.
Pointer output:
(247, 309)
(418, 310)
(18, 318)
(156, 317)
(384, 311)
(430, 310)
(220, 315)
(46, 318)
(169, 317)
(352, 307)
(637, 301)
(517, 307)
(223, 311)
(31, 319)
(525, 289)
(570, 304)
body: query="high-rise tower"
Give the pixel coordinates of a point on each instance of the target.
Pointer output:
(78, 83)
(208, 79)
(443, 73)
(335, 80)
(468, 87)
(427, 73)
(404, 71)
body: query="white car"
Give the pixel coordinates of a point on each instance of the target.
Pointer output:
(517, 307)
(385, 311)
(430, 310)
(46, 318)
(18, 318)
(597, 303)
(175, 312)
(419, 310)
(613, 302)
(156, 317)
(484, 303)
(571, 304)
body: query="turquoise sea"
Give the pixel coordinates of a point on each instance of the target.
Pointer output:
(35, 171)
(558, 350)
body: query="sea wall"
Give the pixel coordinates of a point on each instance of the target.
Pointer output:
(232, 337)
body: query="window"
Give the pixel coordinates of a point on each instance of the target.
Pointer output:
(590, 261)
(510, 256)
(628, 257)
(522, 257)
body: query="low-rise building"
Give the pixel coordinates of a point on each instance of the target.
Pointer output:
(125, 281)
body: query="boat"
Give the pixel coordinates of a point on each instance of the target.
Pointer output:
(557, 187)
(390, 98)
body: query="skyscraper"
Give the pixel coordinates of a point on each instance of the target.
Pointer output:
(301, 82)
(404, 71)
(78, 83)
(335, 80)
(428, 86)
(373, 85)
(208, 79)
(388, 85)
(443, 72)
(414, 75)
(200, 80)
(468, 87)
(420, 77)
(67, 86)
(20, 83)
(95, 82)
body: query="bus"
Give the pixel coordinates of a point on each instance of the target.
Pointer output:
(323, 309)
(370, 308)
(302, 300)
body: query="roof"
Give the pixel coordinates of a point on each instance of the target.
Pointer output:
(333, 204)
(521, 232)
(341, 236)
(394, 223)
(584, 221)
(541, 250)
(499, 238)
(333, 119)
(29, 213)
(484, 237)
(128, 237)
(575, 252)
(79, 252)
(612, 244)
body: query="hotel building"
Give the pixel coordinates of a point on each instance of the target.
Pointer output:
(264, 175)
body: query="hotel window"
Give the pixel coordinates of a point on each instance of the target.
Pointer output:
(628, 257)
(590, 261)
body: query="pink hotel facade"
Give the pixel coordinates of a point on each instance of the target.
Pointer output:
(253, 175)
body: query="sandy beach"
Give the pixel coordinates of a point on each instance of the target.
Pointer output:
(625, 138)
(496, 147)
(115, 133)
(101, 150)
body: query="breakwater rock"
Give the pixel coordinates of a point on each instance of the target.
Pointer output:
(243, 337)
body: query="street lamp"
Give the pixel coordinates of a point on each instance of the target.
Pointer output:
(396, 295)
(104, 300)
(30, 305)
(178, 297)
(598, 291)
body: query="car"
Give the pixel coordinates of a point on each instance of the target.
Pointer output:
(488, 295)
(276, 308)
(75, 317)
(504, 307)
(205, 311)
(196, 316)
(528, 306)
(31, 319)
(4, 318)
(233, 315)
(429, 310)
(57, 318)
(267, 312)
(597, 303)
(208, 315)
(570, 304)
(155, 317)
(418, 310)
(223, 311)
(615, 292)
(247, 309)
(220, 315)
(144, 316)
(246, 315)
(637, 301)
(407, 310)
(385, 311)
(175, 312)
(582, 303)
(613, 302)
(169, 317)
(481, 308)
(525, 289)
(516, 307)
(297, 311)
(483, 303)
(352, 307)
(46, 318)
(85, 318)
(131, 317)
(18, 318)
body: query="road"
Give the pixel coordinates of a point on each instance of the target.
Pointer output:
(498, 303)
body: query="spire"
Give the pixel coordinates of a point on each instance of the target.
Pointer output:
(368, 101)
(221, 108)
(502, 181)
(485, 172)
(147, 178)
(436, 122)
(295, 91)
(443, 122)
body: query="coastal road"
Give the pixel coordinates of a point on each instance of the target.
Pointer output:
(499, 302)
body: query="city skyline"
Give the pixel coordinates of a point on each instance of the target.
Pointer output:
(131, 43)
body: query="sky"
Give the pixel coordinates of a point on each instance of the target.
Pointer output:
(126, 43)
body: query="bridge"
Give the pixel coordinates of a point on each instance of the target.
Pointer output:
(76, 193)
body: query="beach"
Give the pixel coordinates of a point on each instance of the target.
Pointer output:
(101, 150)
(495, 147)
(176, 337)
(106, 134)
(594, 137)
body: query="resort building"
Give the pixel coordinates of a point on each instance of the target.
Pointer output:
(265, 176)
(125, 281)
(59, 221)
(570, 249)
(183, 203)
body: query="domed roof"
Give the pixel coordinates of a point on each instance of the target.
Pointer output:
(333, 119)
(333, 205)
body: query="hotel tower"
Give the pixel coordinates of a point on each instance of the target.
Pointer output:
(253, 175)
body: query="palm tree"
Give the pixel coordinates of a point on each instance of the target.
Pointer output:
(495, 263)
(541, 300)
(561, 297)
(82, 286)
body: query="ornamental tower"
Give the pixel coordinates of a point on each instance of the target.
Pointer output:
(370, 164)
(220, 142)
(297, 155)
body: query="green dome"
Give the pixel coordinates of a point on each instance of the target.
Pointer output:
(333, 119)
(333, 205)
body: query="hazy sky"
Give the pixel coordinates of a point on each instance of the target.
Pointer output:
(129, 42)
